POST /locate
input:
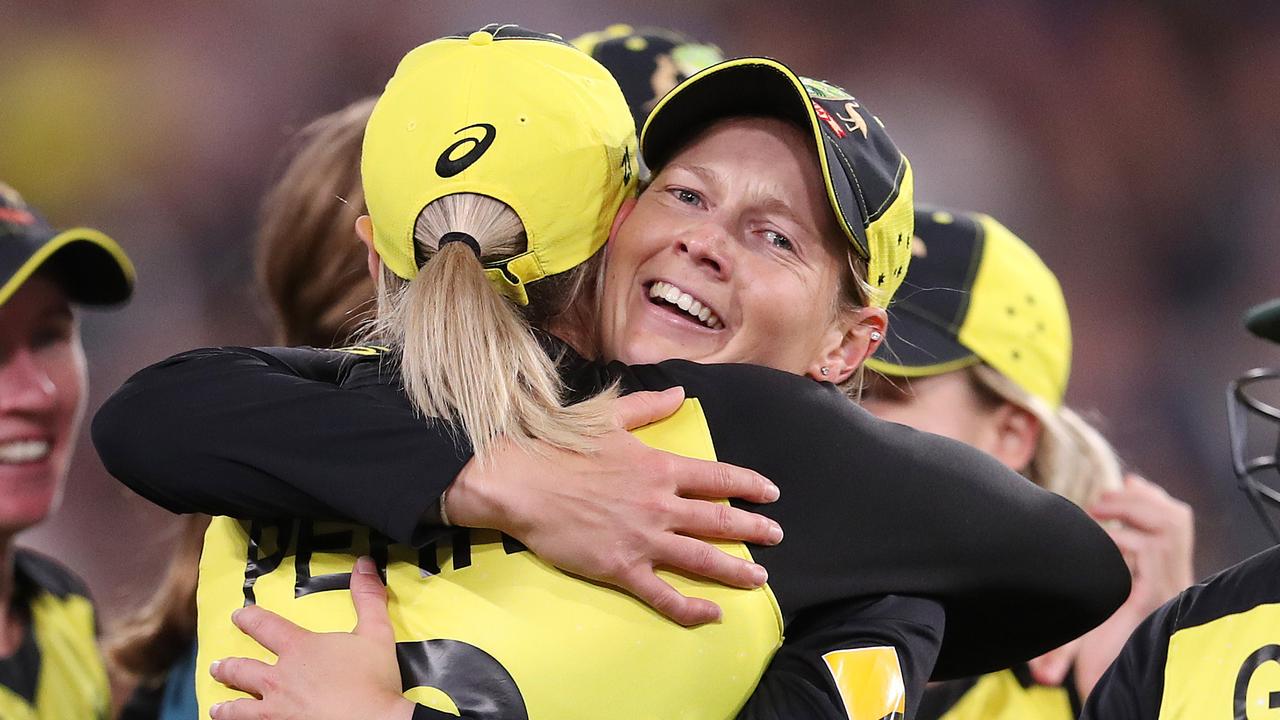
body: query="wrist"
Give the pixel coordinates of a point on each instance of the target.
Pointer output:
(472, 501)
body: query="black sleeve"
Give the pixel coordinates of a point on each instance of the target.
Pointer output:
(872, 508)
(1132, 687)
(875, 656)
(263, 434)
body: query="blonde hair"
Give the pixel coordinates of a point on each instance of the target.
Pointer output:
(466, 353)
(1072, 458)
(855, 293)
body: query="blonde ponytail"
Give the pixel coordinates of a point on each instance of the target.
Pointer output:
(1073, 459)
(466, 353)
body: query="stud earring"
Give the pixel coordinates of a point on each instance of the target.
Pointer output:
(875, 336)
(825, 372)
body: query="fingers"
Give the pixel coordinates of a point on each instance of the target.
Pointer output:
(656, 593)
(642, 408)
(243, 674)
(1051, 668)
(1143, 505)
(270, 630)
(706, 560)
(369, 596)
(243, 709)
(708, 519)
(704, 478)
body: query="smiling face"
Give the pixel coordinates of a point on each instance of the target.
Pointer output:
(42, 383)
(732, 255)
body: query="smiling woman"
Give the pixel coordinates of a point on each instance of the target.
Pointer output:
(749, 239)
(49, 664)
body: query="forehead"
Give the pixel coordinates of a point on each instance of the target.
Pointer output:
(38, 298)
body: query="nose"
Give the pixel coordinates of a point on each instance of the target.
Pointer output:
(25, 385)
(708, 247)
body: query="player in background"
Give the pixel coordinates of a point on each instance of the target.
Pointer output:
(1213, 652)
(50, 668)
(979, 350)
(313, 274)
(648, 63)
(899, 510)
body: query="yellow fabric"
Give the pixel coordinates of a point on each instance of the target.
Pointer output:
(574, 649)
(1017, 320)
(870, 682)
(1208, 670)
(561, 148)
(56, 243)
(73, 680)
(999, 696)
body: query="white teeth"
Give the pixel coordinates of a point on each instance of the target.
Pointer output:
(23, 451)
(683, 300)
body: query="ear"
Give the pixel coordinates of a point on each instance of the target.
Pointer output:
(624, 211)
(1016, 436)
(364, 231)
(849, 344)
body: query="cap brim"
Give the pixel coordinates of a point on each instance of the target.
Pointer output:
(93, 269)
(916, 347)
(1264, 320)
(749, 86)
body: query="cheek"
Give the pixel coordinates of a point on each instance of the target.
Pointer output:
(68, 373)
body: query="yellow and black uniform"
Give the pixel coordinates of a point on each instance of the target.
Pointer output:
(1006, 695)
(877, 516)
(1212, 652)
(56, 672)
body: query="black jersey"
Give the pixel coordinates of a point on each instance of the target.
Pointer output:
(56, 671)
(870, 508)
(1212, 652)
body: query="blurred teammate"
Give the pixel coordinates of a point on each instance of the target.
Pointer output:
(1214, 650)
(313, 273)
(979, 350)
(647, 62)
(50, 668)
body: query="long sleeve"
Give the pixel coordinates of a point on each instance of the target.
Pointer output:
(262, 434)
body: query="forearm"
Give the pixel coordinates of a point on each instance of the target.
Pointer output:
(236, 431)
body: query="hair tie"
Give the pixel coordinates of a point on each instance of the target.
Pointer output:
(452, 237)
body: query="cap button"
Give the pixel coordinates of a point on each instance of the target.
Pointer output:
(480, 37)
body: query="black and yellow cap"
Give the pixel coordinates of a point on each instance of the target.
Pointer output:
(91, 267)
(977, 293)
(1264, 320)
(868, 179)
(519, 116)
(647, 62)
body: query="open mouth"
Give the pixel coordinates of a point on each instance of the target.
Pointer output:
(676, 300)
(21, 452)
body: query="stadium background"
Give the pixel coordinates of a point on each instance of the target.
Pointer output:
(1132, 144)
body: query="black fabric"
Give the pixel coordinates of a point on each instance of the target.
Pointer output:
(870, 508)
(798, 684)
(1132, 688)
(931, 305)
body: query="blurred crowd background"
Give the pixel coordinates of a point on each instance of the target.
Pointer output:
(1134, 145)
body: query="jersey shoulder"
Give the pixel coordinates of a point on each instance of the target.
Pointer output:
(1238, 589)
(41, 573)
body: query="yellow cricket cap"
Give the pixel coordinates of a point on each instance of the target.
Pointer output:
(977, 293)
(519, 116)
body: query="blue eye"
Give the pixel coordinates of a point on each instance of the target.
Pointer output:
(779, 240)
(688, 197)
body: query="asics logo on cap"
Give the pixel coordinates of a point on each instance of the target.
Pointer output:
(447, 166)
